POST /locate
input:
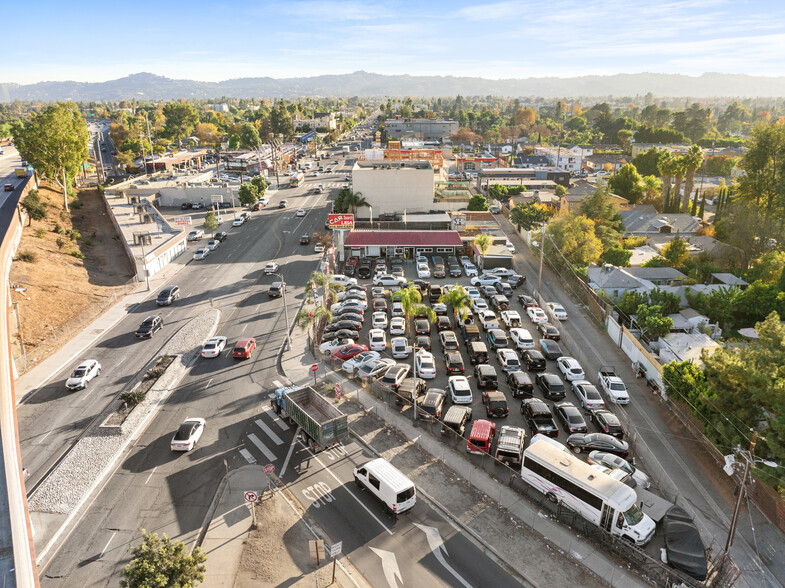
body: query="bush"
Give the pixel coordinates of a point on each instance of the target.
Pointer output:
(60, 243)
(27, 255)
(74, 234)
(59, 229)
(133, 397)
(77, 254)
(154, 373)
(76, 204)
(88, 242)
(40, 233)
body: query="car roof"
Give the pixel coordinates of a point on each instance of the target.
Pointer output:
(244, 342)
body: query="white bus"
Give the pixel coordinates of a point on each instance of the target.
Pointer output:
(549, 467)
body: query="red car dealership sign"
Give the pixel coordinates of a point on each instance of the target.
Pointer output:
(340, 221)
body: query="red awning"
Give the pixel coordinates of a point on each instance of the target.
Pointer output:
(403, 239)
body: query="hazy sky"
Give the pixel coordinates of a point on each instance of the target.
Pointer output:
(214, 40)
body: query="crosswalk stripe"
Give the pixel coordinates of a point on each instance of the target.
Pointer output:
(267, 453)
(276, 439)
(247, 455)
(278, 421)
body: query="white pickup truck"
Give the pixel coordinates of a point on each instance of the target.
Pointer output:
(613, 385)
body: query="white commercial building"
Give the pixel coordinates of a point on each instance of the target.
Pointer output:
(394, 187)
(563, 157)
(420, 128)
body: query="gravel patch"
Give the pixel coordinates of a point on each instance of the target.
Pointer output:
(89, 459)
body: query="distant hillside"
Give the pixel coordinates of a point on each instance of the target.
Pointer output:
(147, 86)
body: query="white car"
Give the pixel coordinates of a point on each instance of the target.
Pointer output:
(397, 309)
(522, 338)
(425, 365)
(460, 390)
(397, 325)
(617, 462)
(350, 366)
(488, 319)
(201, 253)
(343, 280)
(300, 212)
(473, 292)
(238, 222)
(485, 280)
(421, 259)
(213, 245)
(470, 269)
(537, 315)
(377, 340)
(271, 268)
(400, 347)
(558, 311)
(500, 271)
(570, 368)
(328, 347)
(510, 247)
(349, 294)
(388, 280)
(360, 305)
(213, 346)
(264, 200)
(423, 271)
(195, 235)
(373, 369)
(439, 308)
(588, 394)
(379, 320)
(511, 319)
(188, 434)
(318, 248)
(508, 360)
(479, 305)
(84, 372)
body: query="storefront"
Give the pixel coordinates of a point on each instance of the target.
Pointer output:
(407, 244)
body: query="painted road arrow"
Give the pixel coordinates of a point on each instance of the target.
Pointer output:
(437, 546)
(390, 567)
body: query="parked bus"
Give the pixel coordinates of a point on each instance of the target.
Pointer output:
(549, 467)
(296, 179)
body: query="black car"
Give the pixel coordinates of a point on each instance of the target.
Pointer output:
(343, 324)
(276, 289)
(504, 288)
(486, 376)
(527, 301)
(423, 342)
(455, 271)
(607, 423)
(282, 204)
(349, 270)
(342, 334)
(168, 295)
(571, 417)
(305, 239)
(443, 322)
(220, 236)
(364, 271)
(454, 362)
(422, 327)
(548, 331)
(520, 384)
(185, 206)
(422, 286)
(495, 403)
(539, 417)
(550, 349)
(408, 388)
(515, 280)
(600, 441)
(149, 327)
(534, 360)
(432, 405)
(551, 385)
(379, 305)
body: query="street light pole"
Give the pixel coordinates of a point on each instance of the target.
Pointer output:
(144, 261)
(285, 310)
(748, 461)
(542, 255)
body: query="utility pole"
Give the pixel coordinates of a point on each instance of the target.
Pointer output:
(149, 140)
(742, 488)
(144, 157)
(542, 255)
(285, 310)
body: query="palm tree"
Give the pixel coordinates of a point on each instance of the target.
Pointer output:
(652, 188)
(410, 299)
(323, 281)
(458, 300)
(693, 159)
(679, 168)
(308, 321)
(356, 200)
(483, 243)
(665, 167)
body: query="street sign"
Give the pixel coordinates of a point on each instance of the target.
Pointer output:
(314, 367)
(340, 221)
(182, 220)
(251, 496)
(216, 198)
(335, 549)
(269, 468)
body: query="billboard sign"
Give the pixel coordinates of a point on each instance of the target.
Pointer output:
(182, 220)
(340, 221)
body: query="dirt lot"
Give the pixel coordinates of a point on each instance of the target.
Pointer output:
(63, 293)
(276, 553)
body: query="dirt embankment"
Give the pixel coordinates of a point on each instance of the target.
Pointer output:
(62, 291)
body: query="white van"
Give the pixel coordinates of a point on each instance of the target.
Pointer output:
(388, 484)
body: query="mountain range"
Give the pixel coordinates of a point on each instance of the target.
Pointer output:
(147, 86)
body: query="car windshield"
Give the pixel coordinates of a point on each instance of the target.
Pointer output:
(184, 432)
(147, 323)
(79, 372)
(574, 418)
(633, 515)
(210, 345)
(619, 387)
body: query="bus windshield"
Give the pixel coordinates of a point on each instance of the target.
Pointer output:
(633, 515)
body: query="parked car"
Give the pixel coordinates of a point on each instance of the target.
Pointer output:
(448, 340)
(548, 331)
(486, 377)
(598, 441)
(520, 384)
(496, 339)
(398, 326)
(570, 368)
(537, 314)
(551, 386)
(508, 359)
(393, 377)
(550, 349)
(495, 403)
(571, 417)
(558, 311)
(400, 348)
(276, 289)
(522, 339)
(607, 423)
(527, 301)
(588, 395)
(614, 461)
(195, 235)
(454, 362)
(539, 417)
(377, 340)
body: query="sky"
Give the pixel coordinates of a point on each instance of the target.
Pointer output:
(214, 40)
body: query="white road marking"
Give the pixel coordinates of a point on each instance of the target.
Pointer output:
(207, 385)
(150, 476)
(390, 566)
(261, 447)
(437, 546)
(41, 440)
(275, 438)
(288, 455)
(245, 327)
(107, 545)
(247, 455)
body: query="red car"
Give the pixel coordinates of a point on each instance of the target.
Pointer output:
(348, 351)
(244, 348)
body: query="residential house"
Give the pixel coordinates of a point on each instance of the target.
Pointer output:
(638, 148)
(642, 254)
(685, 347)
(615, 281)
(698, 244)
(727, 279)
(562, 157)
(580, 191)
(531, 161)
(606, 161)
(645, 221)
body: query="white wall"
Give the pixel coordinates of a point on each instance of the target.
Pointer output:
(395, 190)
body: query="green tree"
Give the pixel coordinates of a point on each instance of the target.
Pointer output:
(261, 185)
(629, 302)
(410, 298)
(497, 192)
(249, 137)
(675, 252)
(248, 194)
(627, 183)
(781, 283)
(210, 222)
(652, 189)
(34, 207)
(646, 163)
(617, 256)
(483, 243)
(528, 216)
(560, 191)
(574, 236)
(234, 142)
(652, 323)
(624, 136)
(717, 305)
(601, 208)
(181, 118)
(309, 320)
(458, 300)
(762, 183)
(281, 121)
(693, 160)
(163, 563)
(756, 302)
(478, 202)
(685, 381)
(667, 301)
(54, 142)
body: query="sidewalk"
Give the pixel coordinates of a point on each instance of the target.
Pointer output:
(581, 563)
(276, 552)
(39, 376)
